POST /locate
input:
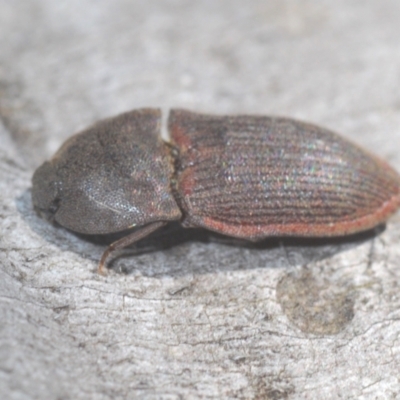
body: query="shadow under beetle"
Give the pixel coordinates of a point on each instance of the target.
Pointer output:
(245, 176)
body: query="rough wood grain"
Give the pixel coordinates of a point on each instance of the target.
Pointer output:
(188, 314)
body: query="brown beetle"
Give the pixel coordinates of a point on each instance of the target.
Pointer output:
(246, 176)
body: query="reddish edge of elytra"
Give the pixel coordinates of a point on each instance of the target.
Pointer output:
(304, 230)
(183, 141)
(179, 136)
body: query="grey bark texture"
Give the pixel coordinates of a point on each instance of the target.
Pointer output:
(188, 314)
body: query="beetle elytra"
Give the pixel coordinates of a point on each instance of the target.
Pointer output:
(249, 177)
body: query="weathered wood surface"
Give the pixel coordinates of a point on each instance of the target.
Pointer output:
(189, 314)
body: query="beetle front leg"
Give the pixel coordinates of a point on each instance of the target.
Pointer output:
(126, 241)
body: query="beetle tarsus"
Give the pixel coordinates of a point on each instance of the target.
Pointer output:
(101, 269)
(127, 241)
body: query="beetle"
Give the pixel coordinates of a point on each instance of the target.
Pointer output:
(249, 177)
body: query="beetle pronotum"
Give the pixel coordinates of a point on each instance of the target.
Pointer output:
(245, 176)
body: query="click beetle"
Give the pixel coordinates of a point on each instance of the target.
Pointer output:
(250, 177)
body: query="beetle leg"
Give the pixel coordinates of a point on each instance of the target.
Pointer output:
(126, 241)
